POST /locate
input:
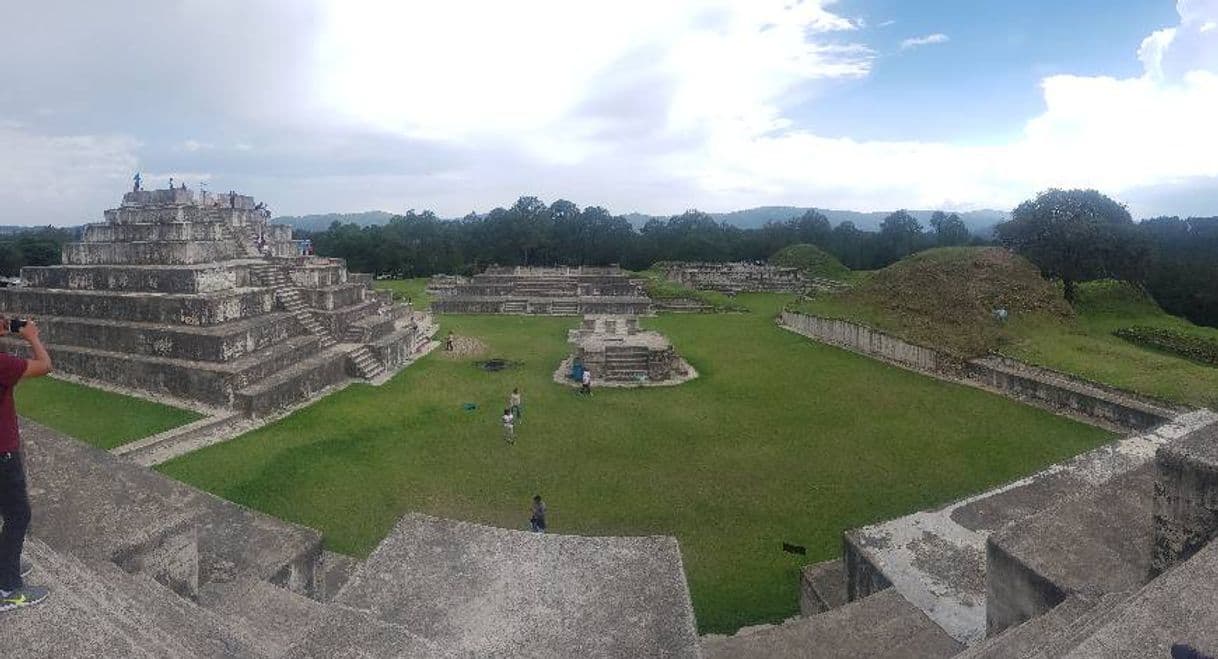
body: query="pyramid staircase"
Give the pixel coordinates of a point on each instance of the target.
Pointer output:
(625, 363)
(288, 296)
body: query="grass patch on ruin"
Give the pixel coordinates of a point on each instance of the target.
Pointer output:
(96, 417)
(780, 440)
(943, 299)
(1086, 346)
(413, 290)
(660, 288)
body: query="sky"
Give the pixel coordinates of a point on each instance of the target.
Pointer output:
(317, 106)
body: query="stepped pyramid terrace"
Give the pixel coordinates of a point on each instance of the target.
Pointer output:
(201, 299)
(561, 291)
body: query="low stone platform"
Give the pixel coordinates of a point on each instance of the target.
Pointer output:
(485, 591)
(735, 277)
(559, 291)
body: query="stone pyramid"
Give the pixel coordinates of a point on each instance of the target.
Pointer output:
(202, 300)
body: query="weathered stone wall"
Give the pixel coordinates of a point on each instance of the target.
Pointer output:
(172, 309)
(1185, 498)
(149, 253)
(733, 277)
(1057, 391)
(860, 338)
(208, 278)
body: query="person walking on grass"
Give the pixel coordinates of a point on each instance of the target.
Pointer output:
(509, 426)
(537, 521)
(585, 386)
(514, 403)
(14, 496)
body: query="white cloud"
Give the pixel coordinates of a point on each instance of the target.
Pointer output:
(632, 105)
(927, 40)
(49, 178)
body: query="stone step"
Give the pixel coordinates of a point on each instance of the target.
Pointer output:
(882, 625)
(274, 617)
(333, 571)
(349, 632)
(98, 610)
(293, 385)
(1067, 638)
(481, 591)
(822, 587)
(1026, 638)
(205, 382)
(165, 446)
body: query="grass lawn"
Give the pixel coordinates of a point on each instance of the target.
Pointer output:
(780, 439)
(1088, 348)
(96, 417)
(407, 289)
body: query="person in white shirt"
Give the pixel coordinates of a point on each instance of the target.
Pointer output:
(586, 386)
(509, 427)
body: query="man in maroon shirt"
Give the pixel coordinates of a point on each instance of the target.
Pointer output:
(14, 500)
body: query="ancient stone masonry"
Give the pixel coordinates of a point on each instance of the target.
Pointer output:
(202, 299)
(617, 351)
(542, 291)
(739, 277)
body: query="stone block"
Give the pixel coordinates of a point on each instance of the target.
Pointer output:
(185, 252)
(334, 297)
(216, 343)
(481, 591)
(173, 309)
(171, 556)
(1093, 543)
(1185, 497)
(168, 231)
(208, 278)
(862, 577)
(822, 586)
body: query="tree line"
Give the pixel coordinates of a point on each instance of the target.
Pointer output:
(533, 233)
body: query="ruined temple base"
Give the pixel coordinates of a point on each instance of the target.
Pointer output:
(564, 370)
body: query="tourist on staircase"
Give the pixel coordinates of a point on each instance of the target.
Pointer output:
(14, 498)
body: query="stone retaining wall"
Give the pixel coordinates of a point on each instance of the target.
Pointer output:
(1030, 384)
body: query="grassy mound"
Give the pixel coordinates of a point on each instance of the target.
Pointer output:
(814, 261)
(660, 288)
(946, 298)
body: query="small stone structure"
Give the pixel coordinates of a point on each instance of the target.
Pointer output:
(617, 351)
(737, 277)
(542, 291)
(203, 300)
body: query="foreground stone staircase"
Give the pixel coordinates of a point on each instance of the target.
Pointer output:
(142, 566)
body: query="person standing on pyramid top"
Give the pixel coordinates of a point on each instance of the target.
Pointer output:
(14, 496)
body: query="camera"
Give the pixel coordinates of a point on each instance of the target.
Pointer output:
(15, 324)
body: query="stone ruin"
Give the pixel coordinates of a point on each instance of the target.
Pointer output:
(558, 291)
(202, 300)
(617, 351)
(738, 277)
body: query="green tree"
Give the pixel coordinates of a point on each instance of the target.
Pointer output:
(950, 230)
(1076, 235)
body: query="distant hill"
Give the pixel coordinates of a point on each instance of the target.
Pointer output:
(323, 221)
(980, 222)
